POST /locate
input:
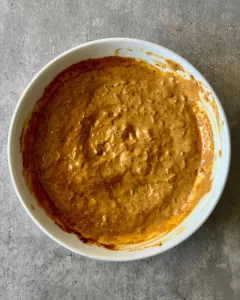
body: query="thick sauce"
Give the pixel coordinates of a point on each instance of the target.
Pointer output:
(113, 149)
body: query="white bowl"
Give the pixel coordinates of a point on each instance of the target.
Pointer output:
(34, 90)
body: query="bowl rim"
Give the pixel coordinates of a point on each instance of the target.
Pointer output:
(138, 253)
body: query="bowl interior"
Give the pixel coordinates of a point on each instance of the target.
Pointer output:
(129, 48)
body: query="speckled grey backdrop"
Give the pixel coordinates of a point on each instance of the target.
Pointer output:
(207, 266)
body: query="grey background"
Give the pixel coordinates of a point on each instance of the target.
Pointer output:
(207, 266)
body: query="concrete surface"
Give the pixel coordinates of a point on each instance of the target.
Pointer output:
(205, 267)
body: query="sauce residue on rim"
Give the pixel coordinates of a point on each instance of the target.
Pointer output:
(118, 151)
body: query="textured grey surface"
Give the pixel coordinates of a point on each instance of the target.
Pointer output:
(207, 266)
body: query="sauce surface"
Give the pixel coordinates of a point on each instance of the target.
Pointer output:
(113, 150)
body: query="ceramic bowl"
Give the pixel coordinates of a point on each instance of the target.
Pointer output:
(137, 49)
